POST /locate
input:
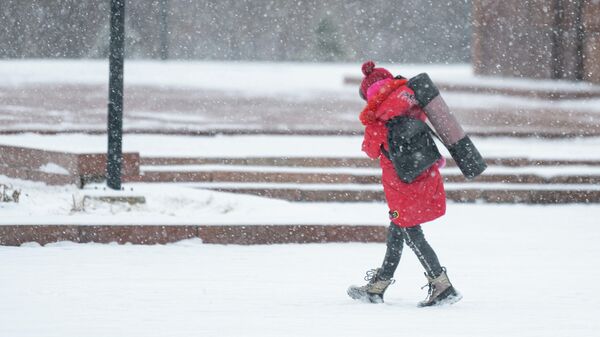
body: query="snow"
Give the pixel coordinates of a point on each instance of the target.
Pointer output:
(523, 271)
(171, 204)
(290, 77)
(253, 146)
(467, 100)
(521, 187)
(54, 168)
(543, 171)
(192, 204)
(378, 187)
(226, 74)
(294, 186)
(200, 74)
(284, 79)
(255, 168)
(208, 90)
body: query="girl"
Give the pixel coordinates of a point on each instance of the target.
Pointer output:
(410, 204)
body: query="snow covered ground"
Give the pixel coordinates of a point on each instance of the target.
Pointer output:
(183, 96)
(242, 76)
(168, 204)
(251, 78)
(523, 271)
(292, 146)
(181, 204)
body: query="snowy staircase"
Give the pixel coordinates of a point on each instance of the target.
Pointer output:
(514, 180)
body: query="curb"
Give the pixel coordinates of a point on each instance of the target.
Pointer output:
(15, 235)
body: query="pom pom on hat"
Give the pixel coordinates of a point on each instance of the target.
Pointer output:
(367, 67)
(372, 75)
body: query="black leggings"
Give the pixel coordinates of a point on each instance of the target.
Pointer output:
(414, 238)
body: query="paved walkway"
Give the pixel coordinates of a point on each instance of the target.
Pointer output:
(52, 108)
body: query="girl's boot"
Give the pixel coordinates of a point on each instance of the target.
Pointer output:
(440, 292)
(373, 291)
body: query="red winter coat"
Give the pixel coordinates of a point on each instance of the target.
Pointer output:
(410, 204)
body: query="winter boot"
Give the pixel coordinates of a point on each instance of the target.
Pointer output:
(440, 292)
(373, 291)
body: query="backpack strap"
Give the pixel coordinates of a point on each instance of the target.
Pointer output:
(384, 152)
(433, 133)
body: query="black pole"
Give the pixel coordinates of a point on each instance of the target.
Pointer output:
(556, 36)
(115, 94)
(164, 29)
(580, 41)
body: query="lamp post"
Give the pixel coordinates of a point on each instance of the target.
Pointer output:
(164, 29)
(115, 94)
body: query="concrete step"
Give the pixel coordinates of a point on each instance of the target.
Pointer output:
(507, 180)
(342, 162)
(579, 174)
(457, 192)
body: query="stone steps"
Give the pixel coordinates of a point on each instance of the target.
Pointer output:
(507, 180)
(508, 193)
(344, 178)
(342, 162)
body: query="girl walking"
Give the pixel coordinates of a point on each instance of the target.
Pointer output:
(410, 204)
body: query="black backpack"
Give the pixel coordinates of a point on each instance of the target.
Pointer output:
(412, 148)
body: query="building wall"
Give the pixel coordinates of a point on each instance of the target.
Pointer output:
(591, 45)
(557, 39)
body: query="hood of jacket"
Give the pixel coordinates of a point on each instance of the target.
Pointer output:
(371, 114)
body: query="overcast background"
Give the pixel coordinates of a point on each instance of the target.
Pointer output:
(273, 30)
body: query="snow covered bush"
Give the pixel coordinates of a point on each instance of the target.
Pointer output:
(8, 194)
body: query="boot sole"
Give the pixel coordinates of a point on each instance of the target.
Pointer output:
(447, 297)
(363, 296)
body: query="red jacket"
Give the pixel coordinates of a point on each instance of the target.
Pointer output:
(410, 204)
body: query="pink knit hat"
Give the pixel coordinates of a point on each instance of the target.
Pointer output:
(372, 75)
